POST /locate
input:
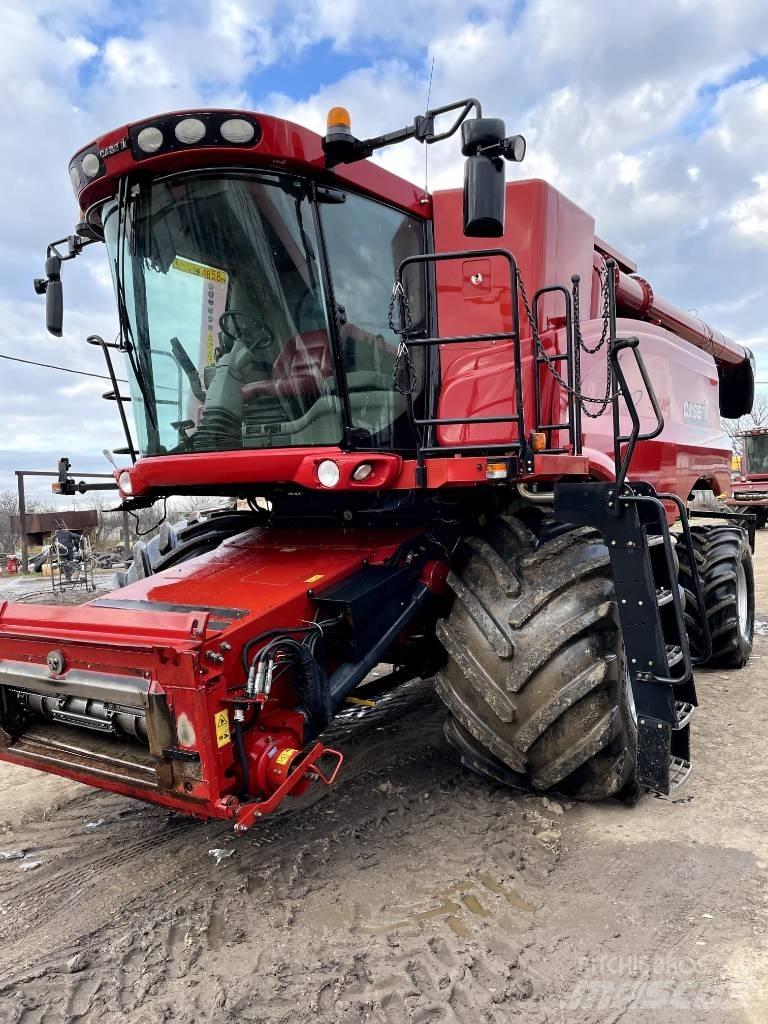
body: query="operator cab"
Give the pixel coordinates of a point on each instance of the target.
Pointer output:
(232, 286)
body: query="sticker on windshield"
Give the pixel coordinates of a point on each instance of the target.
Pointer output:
(214, 303)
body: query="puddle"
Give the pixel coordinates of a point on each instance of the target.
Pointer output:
(450, 911)
(512, 898)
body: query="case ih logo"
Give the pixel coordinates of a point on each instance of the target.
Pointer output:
(114, 148)
(695, 412)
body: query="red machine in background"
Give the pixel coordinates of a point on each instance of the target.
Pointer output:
(459, 461)
(750, 484)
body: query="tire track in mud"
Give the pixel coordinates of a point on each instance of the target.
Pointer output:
(33, 904)
(236, 925)
(420, 966)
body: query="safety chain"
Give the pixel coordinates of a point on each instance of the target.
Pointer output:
(606, 314)
(609, 396)
(404, 372)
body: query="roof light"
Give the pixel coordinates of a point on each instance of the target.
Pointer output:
(237, 130)
(363, 471)
(150, 139)
(91, 165)
(74, 177)
(189, 131)
(338, 117)
(538, 440)
(328, 473)
(124, 482)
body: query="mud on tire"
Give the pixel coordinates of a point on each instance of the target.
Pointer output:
(724, 562)
(535, 680)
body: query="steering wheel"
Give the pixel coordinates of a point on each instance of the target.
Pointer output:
(234, 325)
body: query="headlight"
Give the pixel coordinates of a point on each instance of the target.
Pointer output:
(149, 139)
(237, 130)
(124, 482)
(91, 165)
(328, 473)
(189, 131)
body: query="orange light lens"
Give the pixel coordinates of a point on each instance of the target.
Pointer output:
(538, 441)
(338, 117)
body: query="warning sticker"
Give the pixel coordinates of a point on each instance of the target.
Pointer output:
(285, 755)
(221, 728)
(314, 579)
(214, 302)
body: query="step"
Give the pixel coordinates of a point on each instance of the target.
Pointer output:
(684, 712)
(674, 655)
(663, 596)
(679, 772)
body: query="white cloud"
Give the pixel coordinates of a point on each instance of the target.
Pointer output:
(643, 113)
(750, 213)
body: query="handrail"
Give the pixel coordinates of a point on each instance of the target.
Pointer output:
(518, 416)
(114, 395)
(574, 385)
(620, 345)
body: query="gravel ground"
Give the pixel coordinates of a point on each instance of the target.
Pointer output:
(410, 892)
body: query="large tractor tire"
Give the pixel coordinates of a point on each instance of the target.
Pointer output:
(724, 563)
(535, 680)
(178, 542)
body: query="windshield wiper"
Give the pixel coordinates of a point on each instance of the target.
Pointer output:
(130, 350)
(126, 204)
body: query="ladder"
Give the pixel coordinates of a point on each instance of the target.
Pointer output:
(634, 524)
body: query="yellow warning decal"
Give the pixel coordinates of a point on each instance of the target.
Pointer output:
(285, 755)
(221, 727)
(314, 579)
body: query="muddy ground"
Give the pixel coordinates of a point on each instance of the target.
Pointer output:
(410, 892)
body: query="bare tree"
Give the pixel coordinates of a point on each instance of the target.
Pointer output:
(757, 418)
(9, 506)
(146, 522)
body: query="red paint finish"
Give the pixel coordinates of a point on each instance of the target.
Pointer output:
(283, 146)
(750, 486)
(551, 239)
(251, 583)
(635, 296)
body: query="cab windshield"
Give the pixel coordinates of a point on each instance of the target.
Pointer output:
(756, 454)
(224, 310)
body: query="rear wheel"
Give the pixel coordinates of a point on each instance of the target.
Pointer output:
(724, 562)
(535, 680)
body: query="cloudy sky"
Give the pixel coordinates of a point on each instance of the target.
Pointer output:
(651, 115)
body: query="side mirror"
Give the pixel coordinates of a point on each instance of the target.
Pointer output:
(54, 296)
(481, 140)
(484, 197)
(50, 287)
(485, 146)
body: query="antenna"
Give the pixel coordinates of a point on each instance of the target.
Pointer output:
(426, 148)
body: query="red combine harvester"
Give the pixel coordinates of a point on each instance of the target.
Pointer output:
(460, 461)
(750, 484)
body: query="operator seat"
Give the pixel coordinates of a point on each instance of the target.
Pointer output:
(298, 374)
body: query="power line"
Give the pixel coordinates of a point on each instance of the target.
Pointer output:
(64, 369)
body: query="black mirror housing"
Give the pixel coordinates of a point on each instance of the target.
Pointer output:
(54, 297)
(484, 192)
(484, 197)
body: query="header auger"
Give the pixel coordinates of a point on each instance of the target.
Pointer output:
(461, 461)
